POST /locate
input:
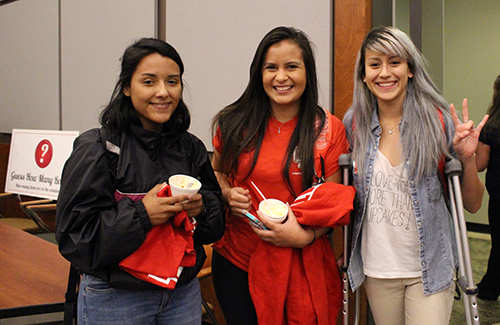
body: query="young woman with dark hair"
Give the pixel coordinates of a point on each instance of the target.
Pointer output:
(277, 137)
(110, 199)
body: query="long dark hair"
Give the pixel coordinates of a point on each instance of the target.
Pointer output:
(243, 123)
(120, 112)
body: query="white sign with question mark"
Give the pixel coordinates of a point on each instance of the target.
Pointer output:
(36, 160)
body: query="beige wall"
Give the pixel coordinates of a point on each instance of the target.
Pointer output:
(461, 41)
(472, 60)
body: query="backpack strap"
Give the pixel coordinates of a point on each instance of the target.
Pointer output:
(70, 309)
(443, 159)
(320, 179)
(112, 150)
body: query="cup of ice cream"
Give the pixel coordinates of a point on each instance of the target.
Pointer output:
(183, 184)
(274, 210)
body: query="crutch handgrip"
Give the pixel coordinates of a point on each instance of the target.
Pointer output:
(453, 167)
(345, 160)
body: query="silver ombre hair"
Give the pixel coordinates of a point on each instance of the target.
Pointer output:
(422, 136)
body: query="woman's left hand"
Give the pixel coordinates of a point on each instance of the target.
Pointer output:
(287, 234)
(193, 205)
(466, 136)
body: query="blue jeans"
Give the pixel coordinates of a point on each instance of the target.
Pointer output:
(98, 303)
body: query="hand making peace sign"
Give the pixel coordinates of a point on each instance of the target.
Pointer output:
(466, 133)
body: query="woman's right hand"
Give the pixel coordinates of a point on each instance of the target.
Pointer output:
(238, 199)
(161, 209)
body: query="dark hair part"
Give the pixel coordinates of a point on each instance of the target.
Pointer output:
(120, 111)
(243, 123)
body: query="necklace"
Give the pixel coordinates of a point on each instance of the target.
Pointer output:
(390, 129)
(278, 126)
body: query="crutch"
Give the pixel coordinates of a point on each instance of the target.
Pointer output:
(346, 165)
(453, 170)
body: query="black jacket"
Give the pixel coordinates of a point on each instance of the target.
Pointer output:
(95, 233)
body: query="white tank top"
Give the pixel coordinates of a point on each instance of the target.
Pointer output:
(389, 242)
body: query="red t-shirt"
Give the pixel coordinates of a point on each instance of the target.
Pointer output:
(240, 241)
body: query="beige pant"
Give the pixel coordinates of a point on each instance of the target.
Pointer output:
(402, 302)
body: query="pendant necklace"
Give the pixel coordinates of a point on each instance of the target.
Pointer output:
(390, 129)
(278, 126)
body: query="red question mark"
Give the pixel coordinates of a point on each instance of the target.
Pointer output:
(43, 153)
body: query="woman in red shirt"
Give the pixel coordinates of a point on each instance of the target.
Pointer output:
(278, 137)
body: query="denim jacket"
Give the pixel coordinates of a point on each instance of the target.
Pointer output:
(438, 254)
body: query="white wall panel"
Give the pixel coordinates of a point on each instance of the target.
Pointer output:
(217, 41)
(94, 35)
(29, 80)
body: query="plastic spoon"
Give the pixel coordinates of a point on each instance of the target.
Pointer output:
(262, 195)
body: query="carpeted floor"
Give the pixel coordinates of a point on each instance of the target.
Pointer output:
(489, 311)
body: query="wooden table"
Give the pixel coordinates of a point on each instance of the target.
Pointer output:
(33, 278)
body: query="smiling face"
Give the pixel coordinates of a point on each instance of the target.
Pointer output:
(155, 90)
(387, 78)
(284, 75)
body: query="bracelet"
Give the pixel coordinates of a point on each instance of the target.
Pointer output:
(314, 238)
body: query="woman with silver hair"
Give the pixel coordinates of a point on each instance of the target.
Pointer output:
(401, 130)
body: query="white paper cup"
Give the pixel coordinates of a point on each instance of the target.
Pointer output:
(274, 210)
(183, 184)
